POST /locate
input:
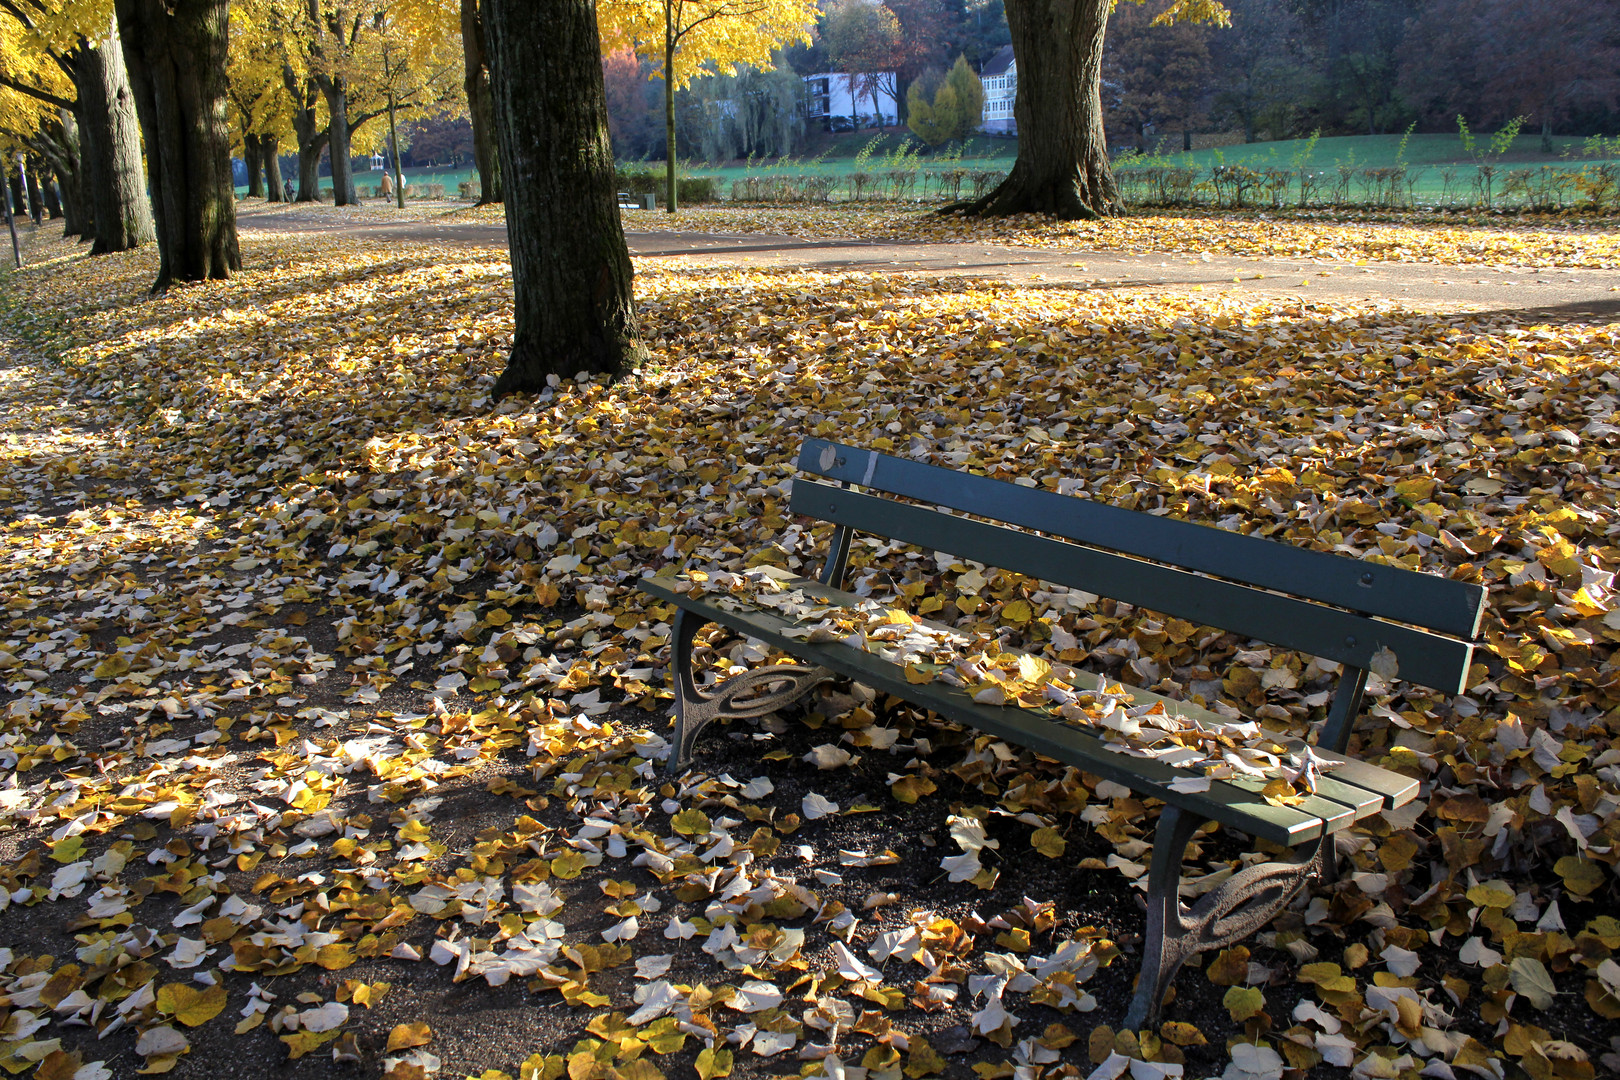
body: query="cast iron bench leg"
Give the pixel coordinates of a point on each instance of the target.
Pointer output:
(753, 693)
(1233, 910)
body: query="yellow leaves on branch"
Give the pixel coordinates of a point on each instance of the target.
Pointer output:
(724, 33)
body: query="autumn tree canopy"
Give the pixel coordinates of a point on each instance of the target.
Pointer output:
(685, 36)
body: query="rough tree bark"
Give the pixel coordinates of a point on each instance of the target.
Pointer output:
(270, 148)
(311, 136)
(110, 146)
(59, 141)
(480, 105)
(1062, 166)
(336, 91)
(176, 55)
(253, 158)
(47, 187)
(575, 311)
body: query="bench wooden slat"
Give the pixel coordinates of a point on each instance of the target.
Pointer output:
(1426, 600)
(1224, 802)
(1395, 789)
(1351, 639)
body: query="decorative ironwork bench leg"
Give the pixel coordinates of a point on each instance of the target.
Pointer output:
(753, 693)
(1230, 912)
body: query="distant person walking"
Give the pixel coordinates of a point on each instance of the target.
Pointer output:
(286, 190)
(386, 188)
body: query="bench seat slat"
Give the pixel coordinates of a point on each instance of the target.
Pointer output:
(1225, 802)
(1343, 636)
(1426, 600)
(1394, 788)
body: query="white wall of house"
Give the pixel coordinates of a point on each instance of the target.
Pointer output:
(854, 100)
(1000, 90)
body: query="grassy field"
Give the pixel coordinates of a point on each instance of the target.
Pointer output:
(1440, 169)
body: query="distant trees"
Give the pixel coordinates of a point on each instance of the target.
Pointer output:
(1155, 75)
(946, 107)
(1495, 59)
(863, 42)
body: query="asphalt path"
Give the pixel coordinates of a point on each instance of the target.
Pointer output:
(1554, 294)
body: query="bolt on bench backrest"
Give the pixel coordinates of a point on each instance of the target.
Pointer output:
(1328, 606)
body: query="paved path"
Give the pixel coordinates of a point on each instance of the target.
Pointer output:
(1586, 295)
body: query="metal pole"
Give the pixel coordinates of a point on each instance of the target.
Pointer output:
(11, 223)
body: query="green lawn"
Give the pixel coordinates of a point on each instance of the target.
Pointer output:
(1439, 167)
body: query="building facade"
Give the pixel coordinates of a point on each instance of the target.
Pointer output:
(848, 102)
(1000, 78)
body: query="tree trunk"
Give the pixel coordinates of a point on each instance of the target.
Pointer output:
(19, 198)
(1546, 131)
(311, 138)
(270, 151)
(575, 311)
(47, 186)
(176, 55)
(480, 105)
(110, 146)
(393, 153)
(253, 158)
(669, 112)
(36, 200)
(1062, 166)
(336, 91)
(60, 142)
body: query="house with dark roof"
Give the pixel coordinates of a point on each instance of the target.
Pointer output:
(1000, 78)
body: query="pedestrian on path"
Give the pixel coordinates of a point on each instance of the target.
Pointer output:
(386, 188)
(286, 190)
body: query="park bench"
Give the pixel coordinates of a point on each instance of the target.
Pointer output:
(1364, 616)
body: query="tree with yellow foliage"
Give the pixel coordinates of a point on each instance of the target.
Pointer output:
(688, 36)
(358, 57)
(259, 104)
(68, 57)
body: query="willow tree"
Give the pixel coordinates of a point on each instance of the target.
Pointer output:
(573, 306)
(1062, 166)
(688, 37)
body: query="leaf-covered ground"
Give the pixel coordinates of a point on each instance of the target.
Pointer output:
(333, 721)
(1343, 235)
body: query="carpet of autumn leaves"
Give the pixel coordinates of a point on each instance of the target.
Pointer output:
(277, 579)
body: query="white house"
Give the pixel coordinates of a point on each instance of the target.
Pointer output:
(1000, 78)
(844, 102)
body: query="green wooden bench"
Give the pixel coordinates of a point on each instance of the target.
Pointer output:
(1358, 614)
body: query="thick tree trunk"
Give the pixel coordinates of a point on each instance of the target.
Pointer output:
(336, 92)
(575, 311)
(253, 158)
(480, 105)
(311, 137)
(19, 197)
(270, 150)
(114, 180)
(176, 55)
(309, 169)
(1062, 166)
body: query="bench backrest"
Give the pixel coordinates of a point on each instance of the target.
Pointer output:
(1325, 605)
